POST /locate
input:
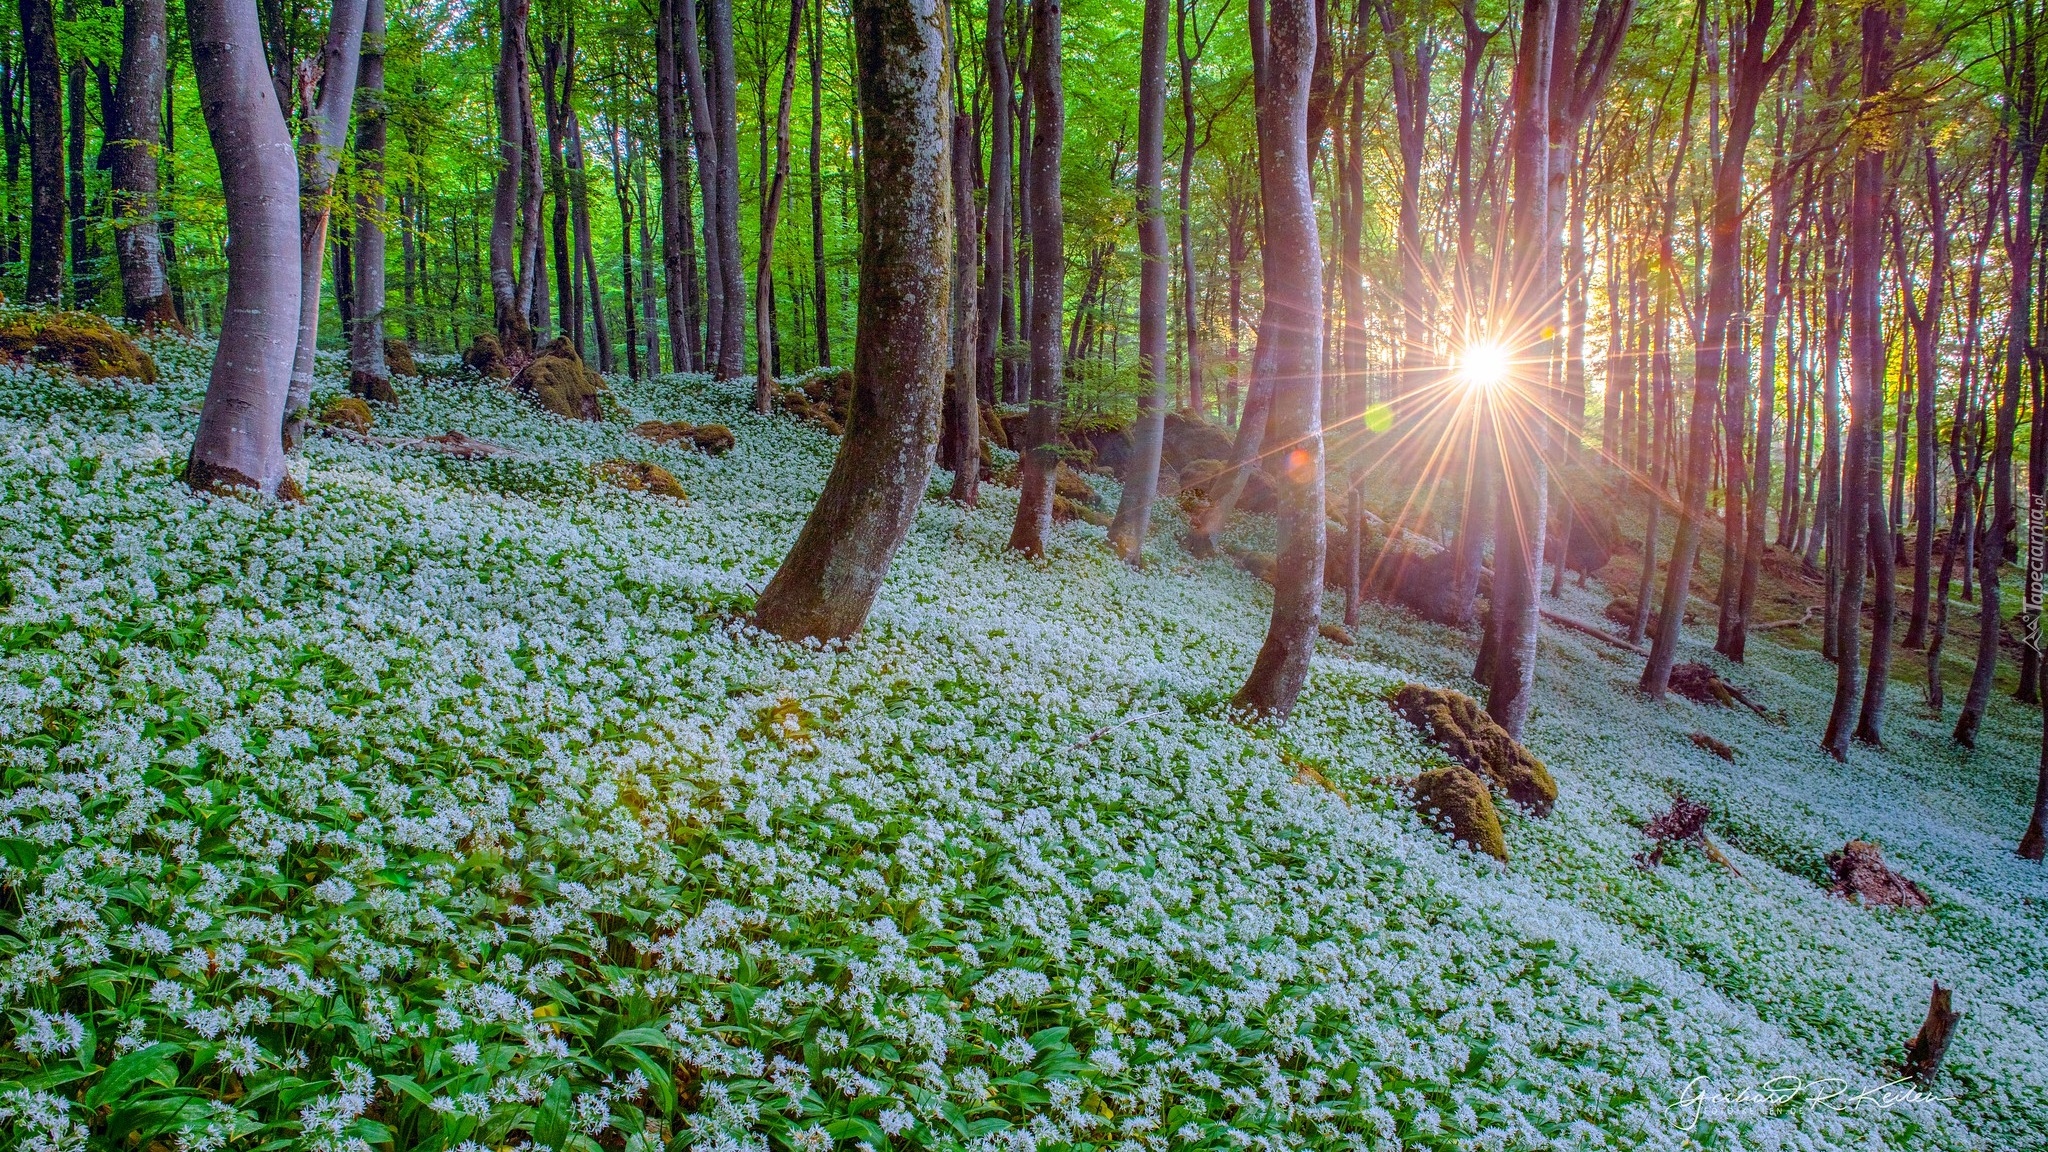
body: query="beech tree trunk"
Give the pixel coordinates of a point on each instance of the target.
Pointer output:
(771, 211)
(1040, 449)
(579, 194)
(368, 375)
(1751, 65)
(1192, 331)
(322, 136)
(668, 146)
(508, 313)
(965, 422)
(1862, 511)
(45, 154)
(723, 95)
(996, 218)
(1509, 650)
(1291, 324)
(1141, 476)
(1926, 324)
(819, 299)
(828, 582)
(240, 442)
(132, 140)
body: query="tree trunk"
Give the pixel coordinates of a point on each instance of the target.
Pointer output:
(322, 136)
(1291, 324)
(623, 193)
(1862, 511)
(1512, 617)
(133, 137)
(1190, 329)
(1775, 259)
(966, 416)
(771, 210)
(509, 316)
(1040, 449)
(828, 582)
(45, 154)
(579, 192)
(1141, 476)
(240, 442)
(83, 291)
(368, 375)
(675, 225)
(554, 108)
(996, 218)
(822, 316)
(723, 94)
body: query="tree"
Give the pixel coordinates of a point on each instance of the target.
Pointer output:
(996, 219)
(45, 158)
(1040, 449)
(322, 136)
(771, 211)
(1134, 509)
(134, 136)
(1924, 319)
(1751, 65)
(965, 417)
(368, 375)
(721, 94)
(828, 582)
(668, 146)
(1290, 350)
(240, 442)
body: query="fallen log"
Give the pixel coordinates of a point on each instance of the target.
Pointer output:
(1793, 622)
(1600, 634)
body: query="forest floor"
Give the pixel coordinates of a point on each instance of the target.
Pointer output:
(459, 803)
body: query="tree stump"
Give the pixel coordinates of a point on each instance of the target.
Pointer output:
(1930, 1044)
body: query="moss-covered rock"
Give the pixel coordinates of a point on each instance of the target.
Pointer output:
(349, 412)
(713, 439)
(398, 358)
(1189, 438)
(1456, 801)
(640, 476)
(1073, 486)
(486, 358)
(1457, 724)
(556, 380)
(84, 344)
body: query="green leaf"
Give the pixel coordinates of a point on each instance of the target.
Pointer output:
(127, 1072)
(552, 1127)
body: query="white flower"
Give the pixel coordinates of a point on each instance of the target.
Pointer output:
(335, 890)
(42, 1034)
(464, 1052)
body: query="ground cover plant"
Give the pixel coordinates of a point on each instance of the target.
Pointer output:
(459, 807)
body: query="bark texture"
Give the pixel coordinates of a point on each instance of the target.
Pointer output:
(322, 136)
(1048, 283)
(240, 442)
(828, 582)
(45, 154)
(134, 135)
(1141, 477)
(368, 376)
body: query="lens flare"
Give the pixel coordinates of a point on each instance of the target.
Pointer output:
(1484, 366)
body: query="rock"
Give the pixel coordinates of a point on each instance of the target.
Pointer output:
(1621, 610)
(84, 344)
(1189, 438)
(1702, 685)
(991, 429)
(1595, 533)
(1071, 485)
(486, 358)
(1427, 586)
(1066, 509)
(711, 439)
(398, 358)
(1457, 724)
(640, 476)
(1707, 743)
(824, 398)
(1109, 448)
(1456, 801)
(348, 412)
(1861, 875)
(1206, 480)
(557, 381)
(1261, 565)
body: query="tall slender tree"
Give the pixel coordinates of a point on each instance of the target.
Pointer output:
(323, 135)
(368, 374)
(1040, 449)
(771, 211)
(1134, 508)
(134, 139)
(46, 214)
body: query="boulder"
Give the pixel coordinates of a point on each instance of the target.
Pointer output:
(1457, 724)
(1456, 801)
(556, 380)
(711, 439)
(348, 412)
(640, 476)
(1071, 485)
(1595, 533)
(486, 358)
(1190, 438)
(398, 358)
(1206, 479)
(84, 344)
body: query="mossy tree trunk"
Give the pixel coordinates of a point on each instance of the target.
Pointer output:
(240, 442)
(829, 580)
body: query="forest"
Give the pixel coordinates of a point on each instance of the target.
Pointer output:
(745, 575)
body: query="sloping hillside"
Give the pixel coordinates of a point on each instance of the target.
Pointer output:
(458, 807)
